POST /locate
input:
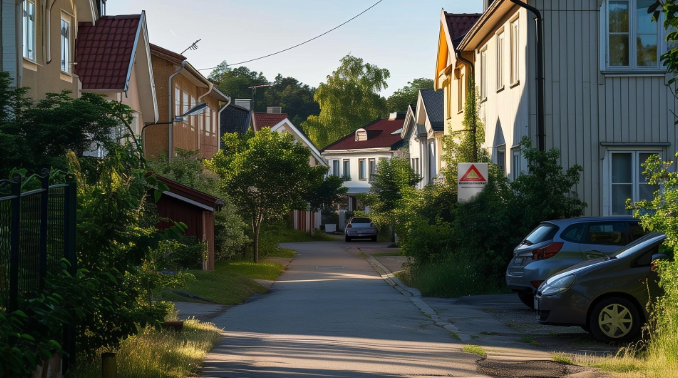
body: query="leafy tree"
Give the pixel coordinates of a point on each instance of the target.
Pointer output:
(295, 98)
(235, 82)
(403, 97)
(348, 100)
(267, 175)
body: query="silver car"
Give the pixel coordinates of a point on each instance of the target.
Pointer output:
(360, 228)
(556, 245)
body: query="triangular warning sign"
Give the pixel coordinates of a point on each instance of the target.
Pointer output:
(472, 175)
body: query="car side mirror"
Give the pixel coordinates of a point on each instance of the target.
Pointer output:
(657, 257)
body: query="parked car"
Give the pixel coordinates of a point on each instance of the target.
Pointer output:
(607, 295)
(558, 244)
(360, 227)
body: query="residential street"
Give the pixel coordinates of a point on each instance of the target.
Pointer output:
(331, 315)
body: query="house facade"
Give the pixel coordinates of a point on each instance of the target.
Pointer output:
(181, 88)
(423, 132)
(605, 105)
(355, 157)
(38, 42)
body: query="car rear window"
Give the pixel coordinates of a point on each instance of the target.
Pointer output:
(543, 232)
(361, 220)
(637, 231)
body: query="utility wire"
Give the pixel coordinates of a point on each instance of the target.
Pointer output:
(302, 43)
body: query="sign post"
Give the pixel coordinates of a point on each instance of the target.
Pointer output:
(471, 180)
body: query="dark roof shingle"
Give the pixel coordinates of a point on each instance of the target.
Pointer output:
(103, 52)
(434, 103)
(234, 119)
(460, 23)
(379, 135)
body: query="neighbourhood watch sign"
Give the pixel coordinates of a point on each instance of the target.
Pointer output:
(471, 179)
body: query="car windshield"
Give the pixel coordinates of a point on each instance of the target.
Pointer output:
(361, 220)
(543, 232)
(641, 243)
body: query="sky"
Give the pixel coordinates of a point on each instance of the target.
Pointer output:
(399, 35)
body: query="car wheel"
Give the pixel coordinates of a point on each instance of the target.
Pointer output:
(348, 239)
(615, 319)
(527, 297)
(586, 329)
(374, 238)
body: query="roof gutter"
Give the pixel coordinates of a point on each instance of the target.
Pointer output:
(539, 41)
(170, 89)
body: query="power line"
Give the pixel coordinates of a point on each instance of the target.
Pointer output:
(302, 43)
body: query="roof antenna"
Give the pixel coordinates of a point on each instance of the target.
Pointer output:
(193, 46)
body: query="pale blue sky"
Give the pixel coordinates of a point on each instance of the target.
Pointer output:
(399, 35)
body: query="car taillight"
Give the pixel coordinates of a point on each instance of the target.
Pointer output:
(348, 226)
(547, 252)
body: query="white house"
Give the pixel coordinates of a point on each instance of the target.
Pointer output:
(355, 157)
(423, 132)
(604, 102)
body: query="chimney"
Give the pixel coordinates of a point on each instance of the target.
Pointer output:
(397, 115)
(360, 135)
(244, 102)
(486, 4)
(274, 109)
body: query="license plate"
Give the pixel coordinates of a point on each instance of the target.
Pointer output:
(536, 308)
(518, 261)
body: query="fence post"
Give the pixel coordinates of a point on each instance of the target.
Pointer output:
(70, 197)
(44, 204)
(15, 186)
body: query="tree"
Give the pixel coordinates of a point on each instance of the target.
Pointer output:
(235, 82)
(295, 98)
(267, 175)
(403, 97)
(348, 100)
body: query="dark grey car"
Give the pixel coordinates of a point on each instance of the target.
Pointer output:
(360, 227)
(607, 295)
(558, 244)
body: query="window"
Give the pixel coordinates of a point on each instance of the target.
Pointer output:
(347, 169)
(177, 101)
(627, 180)
(500, 61)
(516, 169)
(29, 29)
(373, 167)
(448, 100)
(514, 51)
(215, 123)
(194, 119)
(185, 104)
(609, 233)
(460, 93)
(207, 127)
(432, 163)
(65, 46)
(501, 158)
(335, 168)
(417, 167)
(483, 75)
(362, 169)
(574, 233)
(632, 39)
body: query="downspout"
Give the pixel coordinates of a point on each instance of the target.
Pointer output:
(48, 32)
(219, 122)
(539, 41)
(170, 152)
(210, 86)
(475, 121)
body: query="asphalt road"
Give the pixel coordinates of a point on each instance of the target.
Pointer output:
(331, 315)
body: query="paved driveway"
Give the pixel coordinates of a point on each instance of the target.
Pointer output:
(331, 315)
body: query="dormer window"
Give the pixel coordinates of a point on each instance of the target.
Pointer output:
(360, 135)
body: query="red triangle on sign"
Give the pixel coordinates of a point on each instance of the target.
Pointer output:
(472, 175)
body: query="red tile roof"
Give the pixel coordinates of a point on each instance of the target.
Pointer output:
(460, 23)
(379, 134)
(267, 119)
(167, 54)
(103, 52)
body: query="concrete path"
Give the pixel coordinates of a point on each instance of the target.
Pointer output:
(331, 315)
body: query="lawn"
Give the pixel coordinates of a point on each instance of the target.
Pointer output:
(231, 282)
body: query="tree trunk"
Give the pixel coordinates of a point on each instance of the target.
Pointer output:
(255, 230)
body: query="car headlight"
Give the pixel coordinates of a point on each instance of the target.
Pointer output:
(557, 286)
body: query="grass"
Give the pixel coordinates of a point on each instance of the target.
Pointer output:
(229, 283)
(528, 340)
(475, 349)
(450, 279)
(159, 353)
(454, 334)
(562, 358)
(283, 252)
(394, 253)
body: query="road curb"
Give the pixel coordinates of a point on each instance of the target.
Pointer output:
(415, 297)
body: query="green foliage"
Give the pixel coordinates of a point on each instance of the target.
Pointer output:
(36, 135)
(403, 97)
(173, 254)
(267, 175)
(348, 100)
(295, 98)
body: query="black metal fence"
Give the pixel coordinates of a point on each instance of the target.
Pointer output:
(37, 230)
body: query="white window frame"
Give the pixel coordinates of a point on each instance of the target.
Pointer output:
(336, 166)
(500, 60)
(500, 158)
(65, 45)
(483, 74)
(516, 163)
(371, 162)
(633, 67)
(362, 169)
(460, 93)
(29, 29)
(346, 163)
(177, 101)
(635, 172)
(515, 51)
